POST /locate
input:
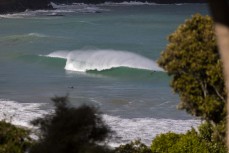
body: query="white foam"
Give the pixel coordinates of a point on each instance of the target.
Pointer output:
(77, 7)
(84, 60)
(136, 3)
(131, 3)
(144, 129)
(60, 10)
(11, 16)
(125, 130)
(20, 113)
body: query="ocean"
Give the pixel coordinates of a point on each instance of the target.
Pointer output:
(102, 55)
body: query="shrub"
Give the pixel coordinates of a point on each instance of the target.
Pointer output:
(71, 130)
(133, 147)
(191, 142)
(13, 139)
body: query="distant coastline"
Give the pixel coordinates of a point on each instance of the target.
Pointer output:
(11, 6)
(120, 1)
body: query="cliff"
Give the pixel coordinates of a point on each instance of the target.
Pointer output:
(9, 6)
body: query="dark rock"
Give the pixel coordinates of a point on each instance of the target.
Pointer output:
(10, 6)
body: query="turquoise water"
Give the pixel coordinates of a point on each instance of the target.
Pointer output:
(102, 55)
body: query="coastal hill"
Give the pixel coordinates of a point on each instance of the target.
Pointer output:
(11, 6)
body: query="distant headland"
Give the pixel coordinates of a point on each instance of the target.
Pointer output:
(11, 6)
(119, 1)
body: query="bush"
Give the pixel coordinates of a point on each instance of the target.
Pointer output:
(71, 130)
(13, 139)
(133, 147)
(163, 142)
(191, 142)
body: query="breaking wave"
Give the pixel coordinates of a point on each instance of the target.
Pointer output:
(86, 60)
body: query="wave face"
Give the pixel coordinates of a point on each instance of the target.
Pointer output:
(86, 60)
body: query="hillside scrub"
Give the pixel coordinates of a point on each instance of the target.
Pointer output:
(13, 139)
(191, 142)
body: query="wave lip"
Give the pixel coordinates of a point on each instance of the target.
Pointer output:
(86, 60)
(58, 54)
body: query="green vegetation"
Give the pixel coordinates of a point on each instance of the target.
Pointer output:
(71, 130)
(133, 147)
(193, 61)
(13, 139)
(191, 142)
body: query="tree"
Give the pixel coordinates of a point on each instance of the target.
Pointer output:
(71, 130)
(193, 61)
(13, 139)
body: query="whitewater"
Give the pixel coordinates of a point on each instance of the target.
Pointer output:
(125, 130)
(102, 55)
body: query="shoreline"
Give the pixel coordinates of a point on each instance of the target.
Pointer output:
(11, 7)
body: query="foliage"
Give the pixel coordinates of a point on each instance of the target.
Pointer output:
(191, 142)
(162, 143)
(193, 61)
(13, 139)
(71, 130)
(133, 147)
